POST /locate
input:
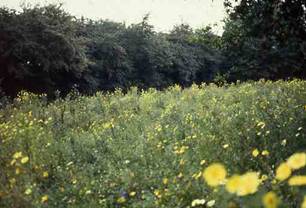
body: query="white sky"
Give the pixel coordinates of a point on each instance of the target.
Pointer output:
(163, 13)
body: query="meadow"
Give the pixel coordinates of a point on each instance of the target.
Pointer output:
(238, 145)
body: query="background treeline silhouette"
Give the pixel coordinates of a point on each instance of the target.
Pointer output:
(44, 49)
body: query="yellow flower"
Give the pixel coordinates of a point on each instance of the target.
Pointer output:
(180, 175)
(203, 162)
(263, 178)
(255, 153)
(233, 184)
(121, 200)
(24, 160)
(265, 153)
(157, 193)
(270, 200)
(17, 171)
(215, 174)
(283, 172)
(225, 146)
(197, 175)
(28, 191)
(133, 193)
(304, 200)
(261, 124)
(182, 162)
(13, 162)
(197, 202)
(17, 155)
(297, 180)
(45, 174)
(44, 198)
(249, 183)
(165, 181)
(297, 161)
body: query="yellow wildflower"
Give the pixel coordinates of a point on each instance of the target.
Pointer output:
(165, 181)
(182, 162)
(197, 202)
(249, 183)
(233, 184)
(297, 161)
(157, 193)
(45, 174)
(197, 175)
(13, 162)
(203, 162)
(44, 199)
(24, 160)
(304, 200)
(17, 171)
(261, 124)
(283, 172)
(180, 175)
(215, 174)
(270, 200)
(284, 142)
(17, 155)
(263, 178)
(28, 191)
(255, 152)
(297, 180)
(265, 153)
(121, 200)
(133, 193)
(225, 146)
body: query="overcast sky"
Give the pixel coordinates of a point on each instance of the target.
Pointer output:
(163, 13)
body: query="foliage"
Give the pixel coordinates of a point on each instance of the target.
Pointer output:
(150, 148)
(265, 39)
(39, 50)
(44, 49)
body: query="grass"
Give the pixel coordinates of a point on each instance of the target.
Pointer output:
(149, 148)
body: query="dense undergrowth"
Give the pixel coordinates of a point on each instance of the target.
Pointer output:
(149, 148)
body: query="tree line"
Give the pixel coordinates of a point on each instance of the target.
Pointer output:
(44, 49)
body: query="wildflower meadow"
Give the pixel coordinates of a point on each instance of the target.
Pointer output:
(233, 146)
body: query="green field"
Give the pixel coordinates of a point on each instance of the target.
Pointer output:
(149, 148)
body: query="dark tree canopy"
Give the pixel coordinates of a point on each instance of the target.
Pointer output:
(39, 50)
(45, 49)
(266, 39)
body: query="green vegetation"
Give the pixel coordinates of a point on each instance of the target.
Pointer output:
(45, 49)
(149, 148)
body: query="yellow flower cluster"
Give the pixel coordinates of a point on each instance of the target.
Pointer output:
(243, 185)
(294, 162)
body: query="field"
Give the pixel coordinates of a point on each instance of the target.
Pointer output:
(156, 149)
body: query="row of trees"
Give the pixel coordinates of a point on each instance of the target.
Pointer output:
(44, 49)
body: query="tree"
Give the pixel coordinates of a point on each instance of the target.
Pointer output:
(266, 39)
(39, 50)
